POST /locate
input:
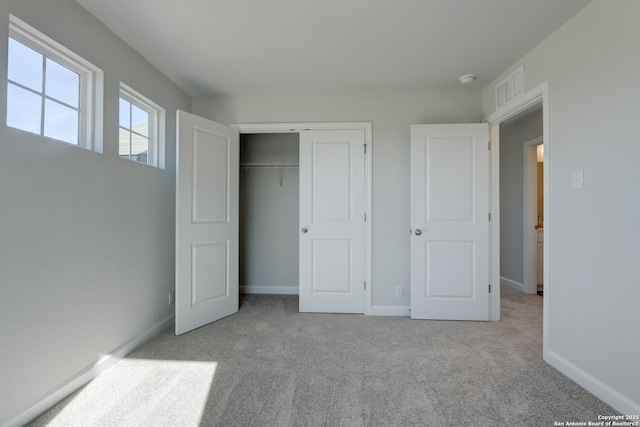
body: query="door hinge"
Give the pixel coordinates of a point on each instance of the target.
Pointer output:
(365, 285)
(489, 287)
(489, 216)
(489, 145)
(365, 148)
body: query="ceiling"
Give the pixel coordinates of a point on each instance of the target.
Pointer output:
(216, 47)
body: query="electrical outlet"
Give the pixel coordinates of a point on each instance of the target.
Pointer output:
(577, 180)
(399, 292)
(172, 297)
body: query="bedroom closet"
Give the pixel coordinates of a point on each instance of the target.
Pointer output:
(269, 213)
(288, 215)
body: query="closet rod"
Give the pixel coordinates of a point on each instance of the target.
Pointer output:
(267, 165)
(277, 166)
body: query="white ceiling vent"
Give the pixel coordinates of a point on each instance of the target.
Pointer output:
(510, 87)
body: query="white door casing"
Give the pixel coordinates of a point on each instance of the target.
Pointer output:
(450, 222)
(207, 189)
(332, 221)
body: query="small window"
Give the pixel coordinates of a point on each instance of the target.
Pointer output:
(140, 123)
(50, 90)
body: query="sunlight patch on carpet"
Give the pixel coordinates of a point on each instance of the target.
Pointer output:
(142, 392)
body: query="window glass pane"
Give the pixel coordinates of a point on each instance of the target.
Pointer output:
(142, 158)
(60, 122)
(124, 146)
(140, 120)
(25, 65)
(125, 114)
(23, 109)
(141, 139)
(62, 83)
(139, 148)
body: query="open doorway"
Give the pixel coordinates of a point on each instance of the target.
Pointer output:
(269, 205)
(520, 217)
(535, 99)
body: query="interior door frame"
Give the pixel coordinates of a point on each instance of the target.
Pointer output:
(530, 199)
(253, 128)
(536, 95)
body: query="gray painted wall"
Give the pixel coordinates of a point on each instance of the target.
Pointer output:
(86, 258)
(269, 213)
(594, 238)
(392, 114)
(512, 137)
(87, 239)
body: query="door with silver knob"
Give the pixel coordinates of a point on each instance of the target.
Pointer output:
(332, 234)
(449, 216)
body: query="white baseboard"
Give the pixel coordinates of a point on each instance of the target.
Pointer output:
(270, 290)
(512, 284)
(602, 391)
(32, 410)
(390, 310)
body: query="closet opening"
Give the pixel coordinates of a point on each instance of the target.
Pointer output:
(269, 213)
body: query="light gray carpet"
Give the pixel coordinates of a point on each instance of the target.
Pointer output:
(269, 365)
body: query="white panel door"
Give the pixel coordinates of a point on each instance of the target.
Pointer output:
(207, 189)
(332, 223)
(449, 221)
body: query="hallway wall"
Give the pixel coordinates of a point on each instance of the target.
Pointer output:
(512, 176)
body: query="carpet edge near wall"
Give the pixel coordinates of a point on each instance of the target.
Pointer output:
(46, 401)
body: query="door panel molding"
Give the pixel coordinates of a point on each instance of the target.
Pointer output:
(209, 146)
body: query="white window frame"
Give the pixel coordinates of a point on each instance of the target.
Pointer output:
(91, 81)
(155, 153)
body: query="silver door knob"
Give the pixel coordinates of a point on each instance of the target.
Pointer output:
(418, 232)
(304, 230)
